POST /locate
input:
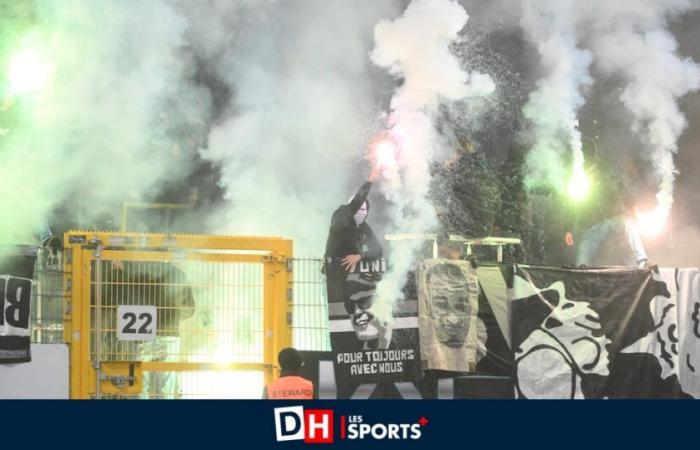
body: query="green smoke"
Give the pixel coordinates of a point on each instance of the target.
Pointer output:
(102, 92)
(22, 206)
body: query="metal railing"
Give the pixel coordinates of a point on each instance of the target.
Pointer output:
(48, 298)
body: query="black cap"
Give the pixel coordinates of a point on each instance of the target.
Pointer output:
(290, 360)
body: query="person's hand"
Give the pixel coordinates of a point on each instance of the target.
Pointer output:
(349, 262)
(374, 175)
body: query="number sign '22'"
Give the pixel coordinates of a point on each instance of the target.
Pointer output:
(136, 323)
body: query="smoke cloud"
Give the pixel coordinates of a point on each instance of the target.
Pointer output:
(633, 41)
(304, 104)
(628, 40)
(553, 106)
(105, 128)
(290, 94)
(416, 48)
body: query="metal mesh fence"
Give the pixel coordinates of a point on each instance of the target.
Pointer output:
(207, 312)
(310, 325)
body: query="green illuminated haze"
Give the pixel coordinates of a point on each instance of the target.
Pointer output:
(100, 129)
(103, 128)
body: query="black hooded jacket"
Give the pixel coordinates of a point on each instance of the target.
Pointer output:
(345, 237)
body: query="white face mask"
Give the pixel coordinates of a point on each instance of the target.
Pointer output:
(361, 214)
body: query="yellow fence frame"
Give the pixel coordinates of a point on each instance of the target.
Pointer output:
(274, 253)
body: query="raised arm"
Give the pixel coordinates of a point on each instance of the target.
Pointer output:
(359, 198)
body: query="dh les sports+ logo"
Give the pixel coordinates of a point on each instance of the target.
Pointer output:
(317, 426)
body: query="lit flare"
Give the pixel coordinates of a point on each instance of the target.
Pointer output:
(384, 154)
(652, 223)
(579, 186)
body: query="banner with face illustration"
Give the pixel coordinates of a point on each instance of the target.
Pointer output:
(448, 296)
(609, 333)
(674, 341)
(16, 274)
(574, 333)
(367, 348)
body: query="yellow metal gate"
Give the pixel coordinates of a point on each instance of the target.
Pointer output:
(222, 313)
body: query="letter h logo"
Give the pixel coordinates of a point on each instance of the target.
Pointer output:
(319, 426)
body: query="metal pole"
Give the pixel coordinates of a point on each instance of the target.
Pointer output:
(41, 265)
(98, 319)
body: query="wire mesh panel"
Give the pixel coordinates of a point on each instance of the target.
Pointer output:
(222, 313)
(207, 312)
(310, 325)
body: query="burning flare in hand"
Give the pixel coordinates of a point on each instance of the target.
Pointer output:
(383, 154)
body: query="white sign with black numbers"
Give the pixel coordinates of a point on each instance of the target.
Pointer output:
(136, 323)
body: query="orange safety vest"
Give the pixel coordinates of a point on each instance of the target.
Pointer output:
(290, 388)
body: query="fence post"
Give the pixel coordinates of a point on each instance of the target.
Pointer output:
(277, 307)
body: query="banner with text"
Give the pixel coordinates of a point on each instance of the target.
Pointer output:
(16, 275)
(368, 349)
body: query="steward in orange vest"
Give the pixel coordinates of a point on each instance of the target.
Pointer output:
(289, 386)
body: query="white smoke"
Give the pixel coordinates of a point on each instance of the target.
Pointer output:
(103, 129)
(631, 39)
(416, 48)
(303, 98)
(553, 107)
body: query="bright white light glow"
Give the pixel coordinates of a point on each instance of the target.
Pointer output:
(385, 154)
(652, 223)
(579, 186)
(28, 72)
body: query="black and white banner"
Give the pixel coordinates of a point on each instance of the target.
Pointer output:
(549, 332)
(368, 348)
(16, 274)
(674, 340)
(448, 298)
(494, 354)
(318, 367)
(609, 333)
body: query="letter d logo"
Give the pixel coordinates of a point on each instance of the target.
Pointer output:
(289, 423)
